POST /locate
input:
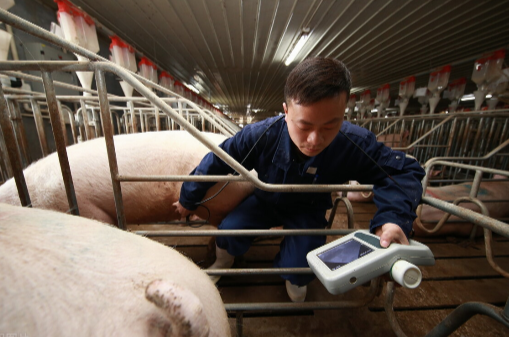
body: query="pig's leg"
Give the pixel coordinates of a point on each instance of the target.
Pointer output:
(359, 196)
(92, 211)
(181, 307)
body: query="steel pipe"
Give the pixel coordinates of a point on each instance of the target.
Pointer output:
(58, 133)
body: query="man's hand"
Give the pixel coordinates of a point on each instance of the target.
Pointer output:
(390, 232)
(184, 212)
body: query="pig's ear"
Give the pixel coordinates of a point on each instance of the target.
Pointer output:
(180, 306)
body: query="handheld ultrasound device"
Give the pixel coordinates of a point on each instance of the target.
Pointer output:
(356, 258)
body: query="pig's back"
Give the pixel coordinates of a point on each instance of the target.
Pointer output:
(66, 275)
(151, 153)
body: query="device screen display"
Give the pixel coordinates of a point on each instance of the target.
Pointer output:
(344, 253)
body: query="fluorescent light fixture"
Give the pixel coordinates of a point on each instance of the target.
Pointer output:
(190, 87)
(298, 46)
(374, 110)
(489, 96)
(469, 97)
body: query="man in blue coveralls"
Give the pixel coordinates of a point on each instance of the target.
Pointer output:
(311, 145)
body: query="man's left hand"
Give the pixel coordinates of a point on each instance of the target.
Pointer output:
(390, 232)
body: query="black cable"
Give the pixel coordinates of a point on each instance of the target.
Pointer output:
(243, 160)
(374, 161)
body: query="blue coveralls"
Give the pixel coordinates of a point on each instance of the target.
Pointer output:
(276, 163)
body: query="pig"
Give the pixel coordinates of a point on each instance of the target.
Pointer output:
(488, 190)
(64, 275)
(151, 153)
(394, 139)
(428, 215)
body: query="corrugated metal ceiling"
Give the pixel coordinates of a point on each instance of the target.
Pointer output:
(234, 50)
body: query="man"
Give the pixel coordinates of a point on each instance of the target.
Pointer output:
(311, 145)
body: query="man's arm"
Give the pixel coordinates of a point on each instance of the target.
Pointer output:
(237, 147)
(397, 187)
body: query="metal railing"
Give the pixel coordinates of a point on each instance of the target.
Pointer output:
(456, 135)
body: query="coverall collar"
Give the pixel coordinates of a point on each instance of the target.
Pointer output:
(284, 157)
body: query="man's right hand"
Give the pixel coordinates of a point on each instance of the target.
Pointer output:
(184, 212)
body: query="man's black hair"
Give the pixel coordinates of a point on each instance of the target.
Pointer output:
(317, 78)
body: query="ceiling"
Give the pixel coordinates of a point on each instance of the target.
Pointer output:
(233, 51)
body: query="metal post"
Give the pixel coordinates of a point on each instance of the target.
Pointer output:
(62, 120)
(12, 151)
(39, 124)
(19, 132)
(119, 130)
(5, 163)
(98, 124)
(134, 124)
(238, 322)
(58, 133)
(142, 122)
(158, 121)
(73, 126)
(389, 310)
(110, 147)
(84, 113)
(466, 311)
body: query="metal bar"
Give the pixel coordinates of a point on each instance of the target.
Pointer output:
(134, 122)
(110, 147)
(494, 225)
(466, 311)
(238, 322)
(489, 254)
(474, 190)
(12, 152)
(440, 161)
(287, 306)
(259, 271)
(241, 232)
(5, 163)
(19, 131)
(62, 122)
(349, 212)
(33, 78)
(58, 133)
(266, 187)
(389, 310)
(406, 148)
(39, 125)
(86, 123)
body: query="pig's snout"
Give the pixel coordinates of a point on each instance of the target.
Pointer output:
(181, 307)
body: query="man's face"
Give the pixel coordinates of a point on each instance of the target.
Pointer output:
(313, 127)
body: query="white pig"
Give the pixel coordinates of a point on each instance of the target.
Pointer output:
(151, 153)
(428, 215)
(488, 191)
(63, 275)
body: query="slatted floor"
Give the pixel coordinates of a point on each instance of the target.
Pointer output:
(461, 274)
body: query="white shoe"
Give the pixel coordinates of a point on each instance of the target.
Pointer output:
(296, 293)
(223, 260)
